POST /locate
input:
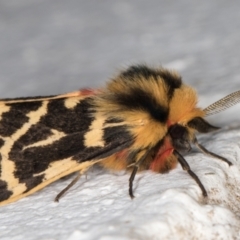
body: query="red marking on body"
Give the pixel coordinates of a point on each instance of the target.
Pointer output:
(87, 92)
(159, 162)
(169, 123)
(122, 154)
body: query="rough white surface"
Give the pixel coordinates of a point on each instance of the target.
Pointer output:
(50, 47)
(168, 206)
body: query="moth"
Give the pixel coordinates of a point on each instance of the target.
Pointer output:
(144, 118)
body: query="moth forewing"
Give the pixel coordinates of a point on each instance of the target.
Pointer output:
(45, 138)
(52, 174)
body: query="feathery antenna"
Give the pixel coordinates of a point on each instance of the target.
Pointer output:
(224, 103)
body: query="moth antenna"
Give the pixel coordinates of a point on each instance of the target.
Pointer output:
(186, 167)
(67, 187)
(222, 104)
(204, 150)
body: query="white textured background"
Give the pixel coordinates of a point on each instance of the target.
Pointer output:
(51, 47)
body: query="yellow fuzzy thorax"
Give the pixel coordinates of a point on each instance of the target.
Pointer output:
(183, 106)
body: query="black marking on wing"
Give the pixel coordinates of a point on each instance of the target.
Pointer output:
(33, 182)
(35, 133)
(116, 139)
(0, 164)
(34, 160)
(4, 192)
(1, 142)
(26, 98)
(67, 120)
(15, 118)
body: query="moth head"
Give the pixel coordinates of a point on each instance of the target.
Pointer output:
(183, 135)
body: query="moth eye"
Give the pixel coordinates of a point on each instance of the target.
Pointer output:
(177, 131)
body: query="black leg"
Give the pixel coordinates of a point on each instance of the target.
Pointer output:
(134, 171)
(203, 149)
(66, 188)
(187, 168)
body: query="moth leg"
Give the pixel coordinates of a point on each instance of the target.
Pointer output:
(203, 149)
(67, 187)
(134, 171)
(187, 168)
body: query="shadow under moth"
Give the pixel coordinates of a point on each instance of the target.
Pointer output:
(143, 119)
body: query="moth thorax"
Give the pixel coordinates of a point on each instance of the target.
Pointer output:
(183, 106)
